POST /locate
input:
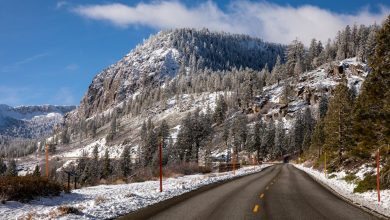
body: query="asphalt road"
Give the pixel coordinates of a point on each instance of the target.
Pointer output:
(278, 192)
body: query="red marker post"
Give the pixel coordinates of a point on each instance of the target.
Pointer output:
(161, 189)
(377, 177)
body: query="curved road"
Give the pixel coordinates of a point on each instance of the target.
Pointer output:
(278, 192)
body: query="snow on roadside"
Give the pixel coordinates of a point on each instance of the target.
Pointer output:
(342, 187)
(110, 201)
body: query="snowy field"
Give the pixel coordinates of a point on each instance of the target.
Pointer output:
(109, 201)
(367, 199)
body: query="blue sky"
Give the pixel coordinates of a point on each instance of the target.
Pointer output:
(51, 50)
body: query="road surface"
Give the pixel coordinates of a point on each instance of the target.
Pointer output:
(278, 192)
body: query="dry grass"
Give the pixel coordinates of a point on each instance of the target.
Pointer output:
(65, 210)
(100, 199)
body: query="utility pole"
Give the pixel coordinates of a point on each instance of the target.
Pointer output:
(47, 160)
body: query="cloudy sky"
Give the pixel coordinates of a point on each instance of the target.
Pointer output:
(50, 50)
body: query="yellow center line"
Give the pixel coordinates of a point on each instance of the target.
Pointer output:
(256, 208)
(262, 195)
(267, 188)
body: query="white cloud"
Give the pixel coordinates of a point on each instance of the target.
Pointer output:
(269, 21)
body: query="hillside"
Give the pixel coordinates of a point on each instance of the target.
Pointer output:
(23, 125)
(169, 54)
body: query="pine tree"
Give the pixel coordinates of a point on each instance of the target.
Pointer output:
(257, 138)
(299, 132)
(163, 130)
(220, 110)
(95, 168)
(277, 73)
(11, 168)
(64, 135)
(280, 140)
(106, 165)
(269, 138)
(37, 171)
(82, 162)
(337, 122)
(125, 162)
(3, 167)
(318, 138)
(225, 134)
(372, 110)
(295, 54)
(323, 106)
(113, 128)
(312, 53)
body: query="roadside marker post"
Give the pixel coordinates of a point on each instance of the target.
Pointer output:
(160, 150)
(254, 164)
(325, 166)
(234, 163)
(47, 160)
(377, 176)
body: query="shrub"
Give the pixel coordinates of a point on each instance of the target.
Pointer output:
(25, 188)
(350, 178)
(186, 169)
(99, 200)
(64, 210)
(368, 183)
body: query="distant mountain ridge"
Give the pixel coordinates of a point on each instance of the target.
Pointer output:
(30, 121)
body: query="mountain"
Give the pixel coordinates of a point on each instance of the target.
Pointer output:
(30, 122)
(179, 78)
(176, 72)
(172, 53)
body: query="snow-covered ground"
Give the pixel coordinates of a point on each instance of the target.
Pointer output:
(109, 201)
(345, 189)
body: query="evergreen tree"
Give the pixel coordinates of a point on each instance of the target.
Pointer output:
(257, 138)
(64, 135)
(337, 122)
(52, 148)
(11, 168)
(95, 168)
(318, 138)
(299, 132)
(239, 132)
(280, 140)
(220, 110)
(3, 167)
(106, 165)
(163, 131)
(295, 57)
(312, 53)
(125, 162)
(372, 110)
(323, 106)
(113, 128)
(269, 138)
(37, 171)
(225, 134)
